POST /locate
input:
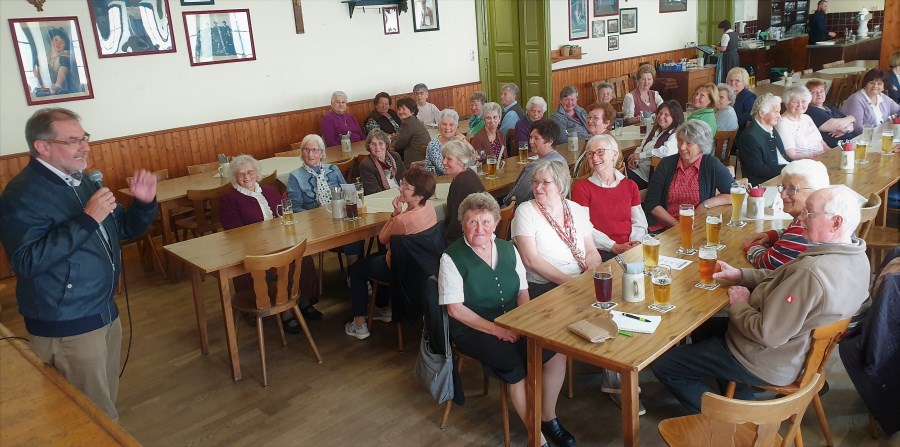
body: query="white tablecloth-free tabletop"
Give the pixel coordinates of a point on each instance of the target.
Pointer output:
(380, 202)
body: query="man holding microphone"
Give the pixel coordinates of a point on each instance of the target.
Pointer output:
(61, 231)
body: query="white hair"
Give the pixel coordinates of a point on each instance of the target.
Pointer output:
(338, 94)
(813, 172)
(844, 203)
(536, 101)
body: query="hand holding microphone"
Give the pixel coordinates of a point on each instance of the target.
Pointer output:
(101, 204)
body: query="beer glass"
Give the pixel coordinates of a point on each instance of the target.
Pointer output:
(738, 192)
(887, 140)
(713, 230)
(661, 277)
(707, 268)
(686, 229)
(650, 245)
(490, 168)
(287, 211)
(862, 147)
(351, 206)
(523, 152)
(603, 282)
(360, 192)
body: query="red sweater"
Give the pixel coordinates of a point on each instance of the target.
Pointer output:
(610, 208)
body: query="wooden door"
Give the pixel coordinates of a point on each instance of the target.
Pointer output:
(709, 14)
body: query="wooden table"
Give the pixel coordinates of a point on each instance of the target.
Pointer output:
(778, 89)
(40, 407)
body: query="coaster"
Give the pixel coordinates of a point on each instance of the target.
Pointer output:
(712, 286)
(686, 251)
(605, 306)
(717, 247)
(661, 309)
(739, 224)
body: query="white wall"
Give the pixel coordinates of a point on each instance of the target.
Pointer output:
(849, 5)
(656, 32)
(146, 93)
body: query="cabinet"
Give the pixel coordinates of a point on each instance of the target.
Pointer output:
(688, 81)
(782, 13)
(745, 10)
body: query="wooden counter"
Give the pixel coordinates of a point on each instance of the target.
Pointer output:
(869, 48)
(688, 81)
(789, 53)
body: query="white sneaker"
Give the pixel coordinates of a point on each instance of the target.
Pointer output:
(612, 383)
(383, 314)
(353, 330)
(617, 398)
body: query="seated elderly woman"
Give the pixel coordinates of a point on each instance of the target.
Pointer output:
(613, 201)
(382, 169)
(338, 122)
(449, 122)
(660, 142)
(489, 140)
(799, 134)
(693, 176)
(248, 203)
(726, 119)
(466, 266)
(428, 113)
(534, 111)
(605, 92)
(569, 116)
(703, 101)
(383, 117)
(554, 235)
(456, 158)
(476, 121)
(543, 133)
(832, 123)
(870, 106)
(413, 136)
(774, 248)
(760, 148)
(739, 80)
(641, 99)
(416, 188)
(599, 117)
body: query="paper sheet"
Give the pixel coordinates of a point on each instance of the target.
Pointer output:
(673, 263)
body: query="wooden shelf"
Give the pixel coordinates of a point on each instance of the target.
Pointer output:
(556, 57)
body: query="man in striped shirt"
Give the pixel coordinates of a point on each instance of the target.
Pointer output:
(774, 248)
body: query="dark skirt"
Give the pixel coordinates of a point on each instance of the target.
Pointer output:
(499, 359)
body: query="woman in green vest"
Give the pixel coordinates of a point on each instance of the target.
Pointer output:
(480, 279)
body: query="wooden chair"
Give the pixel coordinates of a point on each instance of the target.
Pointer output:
(595, 87)
(270, 298)
(504, 389)
(376, 284)
(206, 211)
(620, 89)
(824, 339)
(867, 215)
(832, 95)
(847, 87)
(506, 216)
(731, 422)
(512, 144)
(290, 153)
(879, 239)
(146, 243)
(203, 167)
(346, 168)
(296, 146)
(723, 145)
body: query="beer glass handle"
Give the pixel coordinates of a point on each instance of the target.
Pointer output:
(634, 290)
(279, 211)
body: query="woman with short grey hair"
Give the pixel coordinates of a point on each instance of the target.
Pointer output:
(479, 202)
(762, 151)
(448, 124)
(799, 134)
(457, 155)
(490, 139)
(476, 121)
(726, 118)
(534, 110)
(338, 122)
(570, 117)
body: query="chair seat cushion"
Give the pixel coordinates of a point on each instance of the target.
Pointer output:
(694, 431)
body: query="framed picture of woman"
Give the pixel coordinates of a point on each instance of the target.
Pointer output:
(50, 53)
(578, 19)
(132, 27)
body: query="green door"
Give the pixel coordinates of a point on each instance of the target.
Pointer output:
(709, 14)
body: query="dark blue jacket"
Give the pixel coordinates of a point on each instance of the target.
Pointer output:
(66, 269)
(817, 30)
(743, 105)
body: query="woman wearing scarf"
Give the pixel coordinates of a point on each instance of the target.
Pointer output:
(382, 169)
(660, 142)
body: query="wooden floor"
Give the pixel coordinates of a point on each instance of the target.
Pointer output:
(362, 395)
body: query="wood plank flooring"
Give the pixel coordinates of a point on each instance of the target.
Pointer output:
(362, 395)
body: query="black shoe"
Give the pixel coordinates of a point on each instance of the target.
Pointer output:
(291, 326)
(556, 434)
(311, 313)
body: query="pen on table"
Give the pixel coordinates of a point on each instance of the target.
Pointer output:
(627, 334)
(636, 317)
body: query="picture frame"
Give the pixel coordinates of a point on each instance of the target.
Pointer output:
(124, 29)
(613, 43)
(604, 8)
(598, 28)
(391, 18)
(197, 2)
(672, 6)
(629, 21)
(425, 15)
(50, 54)
(219, 36)
(578, 19)
(612, 26)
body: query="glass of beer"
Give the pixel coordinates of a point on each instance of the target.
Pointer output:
(738, 192)
(707, 268)
(523, 152)
(490, 168)
(287, 211)
(661, 277)
(860, 150)
(603, 282)
(713, 229)
(887, 141)
(686, 229)
(650, 245)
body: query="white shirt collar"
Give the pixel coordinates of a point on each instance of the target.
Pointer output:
(260, 199)
(65, 177)
(617, 177)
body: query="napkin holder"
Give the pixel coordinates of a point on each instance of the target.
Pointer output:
(595, 329)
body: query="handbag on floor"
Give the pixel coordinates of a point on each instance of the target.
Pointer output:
(435, 370)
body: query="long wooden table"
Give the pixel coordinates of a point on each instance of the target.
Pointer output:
(544, 321)
(778, 88)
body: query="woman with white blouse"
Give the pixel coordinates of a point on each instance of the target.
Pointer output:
(660, 142)
(800, 135)
(641, 99)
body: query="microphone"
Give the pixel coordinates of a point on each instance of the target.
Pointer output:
(96, 178)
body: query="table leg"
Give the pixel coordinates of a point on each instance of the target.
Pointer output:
(165, 209)
(200, 310)
(631, 433)
(230, 337)
(533, 392)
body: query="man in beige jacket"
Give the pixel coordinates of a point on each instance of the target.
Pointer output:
(767, 333)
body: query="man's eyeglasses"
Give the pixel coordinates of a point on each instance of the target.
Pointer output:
(72, 141)
(807, 214)
(791, 190)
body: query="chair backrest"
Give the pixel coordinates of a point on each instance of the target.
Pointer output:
(290, 153)
(724, 415)
(824, 339)
(836, 86)
(269, 179)
(346, 168)
(506, 216)
(206, 207)
(512, 144)
(288, 278)
(723, 144)
(162, 174)
(867, 215)
(203, 167)
(296, 146)
(620, 86)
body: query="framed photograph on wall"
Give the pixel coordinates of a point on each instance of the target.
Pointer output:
(606, 8)
(672, 5)
(131, 28)
(612, 26)
(219, 37)
(425, 15)
(628, 19)
(197, 2)
(578, 19)
(391, 18)
(598, 28)
(613, 43)
(50, 53)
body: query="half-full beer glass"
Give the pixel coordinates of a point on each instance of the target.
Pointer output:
(738, 192)
(686, 229)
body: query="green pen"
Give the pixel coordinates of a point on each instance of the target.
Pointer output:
(627, 334)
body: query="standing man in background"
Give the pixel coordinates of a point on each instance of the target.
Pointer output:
(817, 30)
(61, 232)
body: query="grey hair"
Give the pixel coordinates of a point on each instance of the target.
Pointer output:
(451, 114)
(419, 87)
(796, 91)
(40, 125)
(729, 91)
(696, 132)
(479, 201)
(315, 138)
(235, 164)
(764, 104)
(558, 170)
(512, 88)
(604, 138)
(478, 96)
(844, 203)
(338, 94)
(536, 101)
(814, 172)
(739, 71)
(568, 91)
(604, 85)
(492, 107)
(459, 150)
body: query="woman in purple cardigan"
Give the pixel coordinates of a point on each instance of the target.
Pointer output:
(870, 106)
(249, 203)
(338, 122)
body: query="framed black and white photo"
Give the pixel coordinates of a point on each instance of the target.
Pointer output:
(131, 28)
(606, 8)
(50, 54)
(197, 2)
(672, 5)
(628, 18)
(612, 26)
(598, 28)
(391, 18)
(613, 43)
(425, 15)
(219, 37)
(578, 19)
